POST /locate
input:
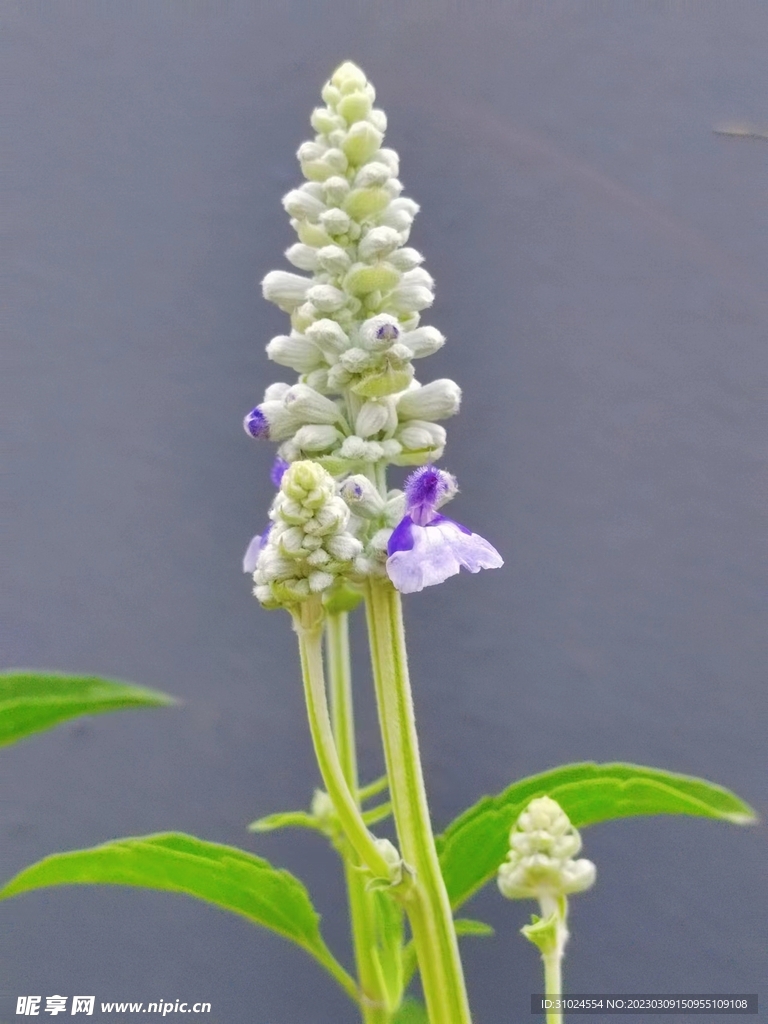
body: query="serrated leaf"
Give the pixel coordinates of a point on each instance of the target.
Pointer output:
(411, 1012)
(33, 701)
(473, 846)
(228, 878)
(468, 926)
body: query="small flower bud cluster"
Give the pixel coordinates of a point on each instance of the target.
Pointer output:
(308, 546)
(543, 845)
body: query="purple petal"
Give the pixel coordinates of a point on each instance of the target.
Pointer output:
(438, 551)
(426, 490)
(402, 536)
(278, 469)
(255, 424)
(254, 549)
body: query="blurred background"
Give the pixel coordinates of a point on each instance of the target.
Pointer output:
(600, 258)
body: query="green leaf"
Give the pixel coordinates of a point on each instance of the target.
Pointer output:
(473, 846)
(33, 701)
(174, 862)
(467, 926)
(411, 1012)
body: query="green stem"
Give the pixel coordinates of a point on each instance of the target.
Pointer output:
(308, 622)
(427, 905)
(553, 982)
(361, 902)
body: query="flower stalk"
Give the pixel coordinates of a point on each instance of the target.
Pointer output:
(427, 906)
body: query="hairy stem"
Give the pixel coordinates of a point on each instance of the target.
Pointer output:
(361, 902)
(308, 622)
(427, 904)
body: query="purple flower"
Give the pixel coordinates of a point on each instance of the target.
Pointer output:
(258, 543)
(426, 548)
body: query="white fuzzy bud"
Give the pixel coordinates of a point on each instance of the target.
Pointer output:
(405, 259)
(424, 341)
(419, 434)
(335, 222)
(344, 546)
(390, 158)
(326, 298)
(378, 119)
(413, 293)
(373, 173)
(309, 406)
(362, 141)
(328, 336)
(286, 290)
(332, 259)
(303, 206)
(362, 497)
(400, 214)
(435, 401)
(310, 151)
(295, 351)
(372, 418)
(378, 243)
(316, 437)
(276, 392)
(335, 190)
(325, 121)
(302, 256)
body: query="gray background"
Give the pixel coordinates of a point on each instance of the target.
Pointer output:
(600, 258)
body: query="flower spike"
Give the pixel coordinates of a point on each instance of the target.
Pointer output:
(426, 547)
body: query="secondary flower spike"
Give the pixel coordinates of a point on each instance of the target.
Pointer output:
(426, 547)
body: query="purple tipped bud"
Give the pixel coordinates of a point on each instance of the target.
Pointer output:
(255, 424)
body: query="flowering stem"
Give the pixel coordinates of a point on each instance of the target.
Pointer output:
(308, 621)
(553, 983)
(427, 904)
(361, 908)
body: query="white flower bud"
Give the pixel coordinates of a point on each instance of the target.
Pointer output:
(355, 106)
(410, 295)
(405, 259)
(295, 351)
(344, 547)
(311, 234)
(390, 449)
(353, 448)
(332, 259)
(286, 290)
(390, 158)
(372, 418)
(280, 421)
(373, 173)
(378, 243)
(393, 187)
(319, 581)
(420, 434)
(356, 360)
(347, 77)
(435, 401)
(325, 121)
(276, 392)
(424, 341)
(335, 221)
(316, 437)
(362, 203)
(326, 298)
(380, 333)
(364, 278)
(335, 189)
(302, 256)
(328, 336)
(303, 206)
(362, 141)
(308, 406)
(362, 497)
(400, 213)
(378, 119)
